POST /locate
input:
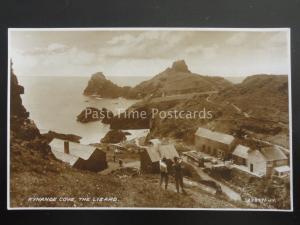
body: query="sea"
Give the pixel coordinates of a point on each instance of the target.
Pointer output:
(54, 103)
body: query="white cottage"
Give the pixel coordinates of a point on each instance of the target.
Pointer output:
(80, 156)
(266, 162)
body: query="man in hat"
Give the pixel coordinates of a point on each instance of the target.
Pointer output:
(178, 174)
(163, 172)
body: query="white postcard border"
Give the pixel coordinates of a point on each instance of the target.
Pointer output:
(286, 29)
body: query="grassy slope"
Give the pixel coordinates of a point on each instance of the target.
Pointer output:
(36, 174)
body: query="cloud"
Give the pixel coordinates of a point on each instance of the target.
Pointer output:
(122, 39)
(81, 57)
(150, 52)
(56, 47)
(205, 52)
(237, 39)
(52, 48)
(147, 44)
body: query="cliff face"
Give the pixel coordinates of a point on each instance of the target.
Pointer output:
(17, 109)
(21, 126)
(180, 66)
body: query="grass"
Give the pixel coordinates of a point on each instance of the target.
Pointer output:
(35, 173)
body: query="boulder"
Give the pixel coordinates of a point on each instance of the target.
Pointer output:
(69, 137)
(28, 130)
(91, 114)
(114, 136)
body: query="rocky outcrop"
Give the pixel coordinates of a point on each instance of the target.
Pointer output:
(108, 115)
(16, 107)
(179, 80)
(91, 114)
(175, 80)
(69, 137)
(180, 66)
(127, 121)
(114, 136)
(98, 85)
(20, 124)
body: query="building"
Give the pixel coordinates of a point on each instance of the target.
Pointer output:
(275, 158)
(116, 147)
(266, 162)
(240, 155)
(152, 154)
(256, 163)
(214, 143)
(79, 156)
(282, 171)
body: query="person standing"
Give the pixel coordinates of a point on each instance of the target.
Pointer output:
(120, 162)
(115, 155)
(163, 172)
(178, 174)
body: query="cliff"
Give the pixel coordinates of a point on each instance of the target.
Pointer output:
(21, 126)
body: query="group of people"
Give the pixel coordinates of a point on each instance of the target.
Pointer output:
(178, 173)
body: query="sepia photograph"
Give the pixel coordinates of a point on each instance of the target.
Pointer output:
(149, 118)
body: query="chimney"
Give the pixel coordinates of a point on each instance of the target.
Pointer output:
(66, 147)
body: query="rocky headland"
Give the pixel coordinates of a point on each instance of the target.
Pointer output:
(177, 79)
(99, 86)
(256, 107)
(91, 114)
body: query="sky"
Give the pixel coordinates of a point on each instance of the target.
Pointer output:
(147, 52)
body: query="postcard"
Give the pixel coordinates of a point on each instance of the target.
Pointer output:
(150, 118)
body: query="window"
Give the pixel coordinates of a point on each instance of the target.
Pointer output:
(251, 167)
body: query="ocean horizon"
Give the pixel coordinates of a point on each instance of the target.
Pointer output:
(55, 102)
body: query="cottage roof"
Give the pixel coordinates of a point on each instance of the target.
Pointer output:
(273, 153)
(282, 169)
(241, 151)
(168, 151)
(255, 154)
(70, 159)
(157, 153)
(215, 136)
(153, 154)
(76, 151)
